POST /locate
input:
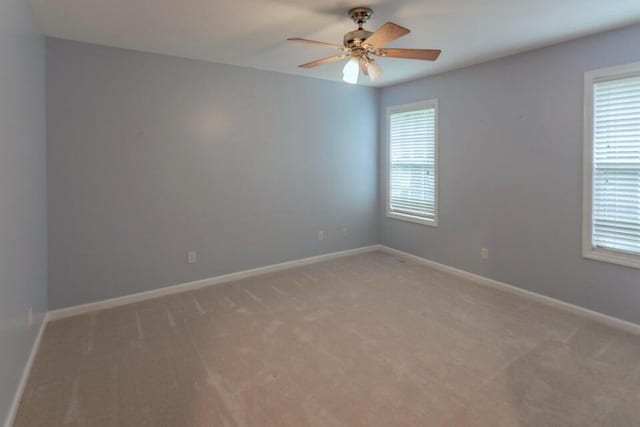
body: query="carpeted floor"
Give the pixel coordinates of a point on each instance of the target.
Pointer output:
(359, 341)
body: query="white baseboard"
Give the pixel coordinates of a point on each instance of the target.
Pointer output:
(13, 410)
(614, 322)
(173, 289)
(169, 290)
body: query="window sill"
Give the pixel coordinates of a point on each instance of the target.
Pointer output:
(414, 219)
(612, 257)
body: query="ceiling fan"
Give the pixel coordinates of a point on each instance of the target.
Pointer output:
(360, 45)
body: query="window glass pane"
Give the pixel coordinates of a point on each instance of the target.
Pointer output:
(616, 165)
(412, 163)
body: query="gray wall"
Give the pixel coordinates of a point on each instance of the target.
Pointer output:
(151, 155)
(510, 173)
(23, 245)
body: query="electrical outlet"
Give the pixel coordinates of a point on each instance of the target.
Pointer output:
(484, 253)
(345, 232)
(320, 235)
(30, 315)
(192, 257)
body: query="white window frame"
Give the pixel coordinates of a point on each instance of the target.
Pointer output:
(431, 103)
(588, 251)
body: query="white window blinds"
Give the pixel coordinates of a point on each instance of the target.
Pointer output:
(412, 163)
(616, 165)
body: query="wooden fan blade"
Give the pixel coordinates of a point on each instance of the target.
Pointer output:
(423, 54)
(322, 61)
(299, 40)
(385, 34)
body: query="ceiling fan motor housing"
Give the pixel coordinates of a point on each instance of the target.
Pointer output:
(355, 38)
(360, 16)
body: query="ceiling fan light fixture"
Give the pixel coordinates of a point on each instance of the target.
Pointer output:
(373, 69)
(351, 70)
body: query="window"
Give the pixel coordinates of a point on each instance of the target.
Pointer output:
(612, 165)
(412, 165)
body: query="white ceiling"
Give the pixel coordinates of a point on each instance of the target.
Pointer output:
(253, 33)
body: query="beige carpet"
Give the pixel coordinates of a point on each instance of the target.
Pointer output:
(359, 341)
